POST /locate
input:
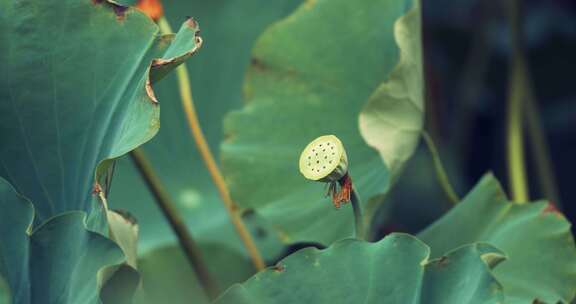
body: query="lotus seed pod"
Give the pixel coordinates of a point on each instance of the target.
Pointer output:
(324, 159)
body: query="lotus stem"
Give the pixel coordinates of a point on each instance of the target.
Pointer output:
(440, 171)
(209, 160)
(359, 232)
(187, 243)
(516, 96)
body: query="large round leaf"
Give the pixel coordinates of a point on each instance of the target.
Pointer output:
(56, 263)
(311, 74)
(395, 270)
(535, 238)
(75, 90)
(229, 29)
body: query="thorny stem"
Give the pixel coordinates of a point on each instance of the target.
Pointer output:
(440, 171)
(516, 97)
(204, 149)
(187, 243)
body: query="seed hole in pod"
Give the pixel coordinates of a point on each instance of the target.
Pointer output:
(330, 161)
(332, 148)
(316, 154)
(325, 157)
(320, 145)
(317, 161)
(332, 153)
(318, 170)
(324, 167)
(323, 150)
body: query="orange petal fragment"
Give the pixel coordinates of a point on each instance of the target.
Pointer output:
(152, 8)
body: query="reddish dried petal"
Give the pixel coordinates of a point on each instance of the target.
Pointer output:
(152, 8)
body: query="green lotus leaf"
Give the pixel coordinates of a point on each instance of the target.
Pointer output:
(4, 294)
(119, 282)
(55, 263)
(75, 90)
(216, 77)
(311, 74)
(392, 119)
(396, 269)
(535, 237)
(124, 231)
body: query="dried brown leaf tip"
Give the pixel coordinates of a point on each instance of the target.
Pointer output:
(551, 208)
(279, 268)
(443, 261)
(191, 22)
(118, 9)
(152, 8)
(150, 91)
(96, 189)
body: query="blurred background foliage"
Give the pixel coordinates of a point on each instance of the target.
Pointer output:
(229, 29)
(467, 50)
(466, 54)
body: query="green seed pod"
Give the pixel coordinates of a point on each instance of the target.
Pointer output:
(324, 159)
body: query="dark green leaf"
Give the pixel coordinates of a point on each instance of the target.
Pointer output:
(4, 294)
(121, 285)
(534, 236)
(74, 91)
(58, 262)
(395, 270)
(311, 75)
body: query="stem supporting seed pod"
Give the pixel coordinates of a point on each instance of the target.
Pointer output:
(324, 160)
